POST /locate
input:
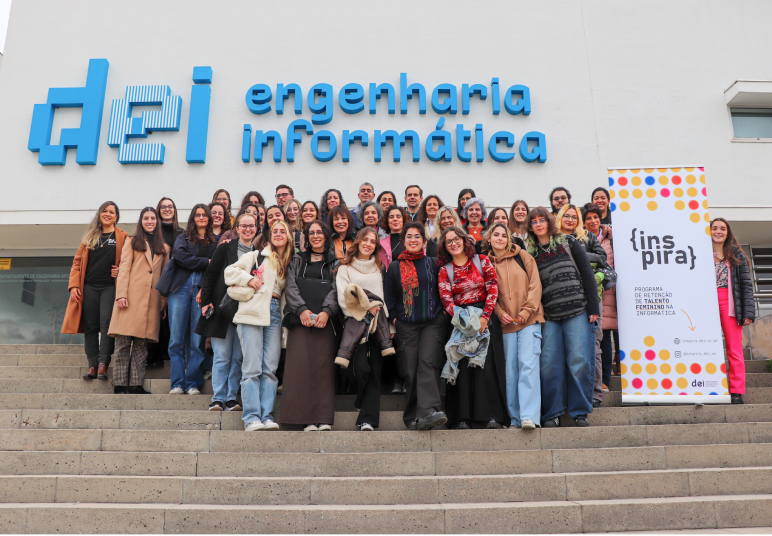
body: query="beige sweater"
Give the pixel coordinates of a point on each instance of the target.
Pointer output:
(366, 274)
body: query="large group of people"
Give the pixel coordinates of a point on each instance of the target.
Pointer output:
(510, 312)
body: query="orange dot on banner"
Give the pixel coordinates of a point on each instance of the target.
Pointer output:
(624, 206)
(624, 383)
(691, 179)
(689, 169)
(676, 180)
(707, 230)
(649, 170)
(698, 393)
(678, 192)
(621, 171)
(651, 193)
(723, 368)
(667, 392)
(612, 194)
(694, 205)
(652, 383)
(663, 180)
(662, 169)
(637, 193)
(706, 217)
(653, 393)
(724, 383)
(692, 192)
(665, 368)
(651, 205)
(667, 383)
(711, 368)
(705, 204)
(623, 369)
(651, 368)
(680, 368)
(637, 394)
(694, 217)
(624, 194)
(675, 169)
(702, 179)
(680, 205)
(635, 171)
(664, 355)
(695, 368)
(636, 369)
(682, 383)
(635, 355)
(648, 341)
(635, 181)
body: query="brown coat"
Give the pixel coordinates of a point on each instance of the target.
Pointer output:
(138, 274)
(519, 290)
(609, 296)
(73, 319)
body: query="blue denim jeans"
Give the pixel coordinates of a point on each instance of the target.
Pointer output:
(522, 350)
(226, 366)
(261, 348)
(184, 344)
(567, 367)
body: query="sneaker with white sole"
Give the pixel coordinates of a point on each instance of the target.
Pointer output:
(311, 428)
(193, 391)
(270, 425)
(527, 424)
(324, 427)
(364, 427)
(177, 391)
(232, 405)
(254, 426)
(216, 406)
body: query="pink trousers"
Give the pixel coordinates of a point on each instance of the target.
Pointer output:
(733, 336)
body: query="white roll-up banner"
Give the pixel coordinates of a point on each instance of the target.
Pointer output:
(669, 329)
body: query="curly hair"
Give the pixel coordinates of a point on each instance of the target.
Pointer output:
(421, 216)
(444, 256)
(384, 223)
(323, 204)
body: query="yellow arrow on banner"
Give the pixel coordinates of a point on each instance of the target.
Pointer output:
(691, 326)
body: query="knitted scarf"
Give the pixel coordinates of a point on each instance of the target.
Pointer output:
(409, 278)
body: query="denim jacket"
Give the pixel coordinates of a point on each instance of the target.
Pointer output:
(466, 341)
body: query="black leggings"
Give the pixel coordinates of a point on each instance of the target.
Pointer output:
(97, 310)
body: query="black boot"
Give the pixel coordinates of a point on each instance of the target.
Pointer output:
(737, 398)
(120, 390)
(137, 390)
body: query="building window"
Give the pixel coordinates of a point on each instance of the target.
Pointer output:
(752, 122)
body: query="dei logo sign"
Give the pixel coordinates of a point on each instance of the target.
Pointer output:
(666, 289)
(123, 127)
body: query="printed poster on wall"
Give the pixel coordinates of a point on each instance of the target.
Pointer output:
(669, 329)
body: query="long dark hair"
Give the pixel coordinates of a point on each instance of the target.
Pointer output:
(380, 195)
(541, 212)
(353, 251)
(139, 241)
(327, 236)
(492, 215)
(421, 217)
(323, 204)
(461, 194)
(444, 256)
(342, 210)
(175, 221)
(230, 203)
(731, 248)
(265, 234)
(192, 232)
(245, 200)
(226, 220)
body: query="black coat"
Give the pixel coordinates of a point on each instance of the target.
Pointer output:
(742, 290)
(213, 289)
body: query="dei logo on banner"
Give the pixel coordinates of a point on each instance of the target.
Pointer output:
(669, 327)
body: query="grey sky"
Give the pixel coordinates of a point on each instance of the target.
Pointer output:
(5, 10)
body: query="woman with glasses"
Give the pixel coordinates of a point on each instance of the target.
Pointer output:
(191, 254)
(215, 323)
(463, 196)
(571, 312)
(446, 217)
(222, 196)
(220, 223)
(308, 388)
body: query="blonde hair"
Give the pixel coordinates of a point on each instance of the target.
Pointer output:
(437, 230)
(486, 241)
(281, 263)
(298, 225)
(580, 231)
(94, 231)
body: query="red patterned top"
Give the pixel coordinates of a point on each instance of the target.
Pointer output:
(470, 286)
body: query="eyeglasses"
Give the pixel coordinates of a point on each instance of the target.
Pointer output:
(201, 216)
(561, 198)
(451, 241)
(315, 233)
(538, 222)
(247, 227)
(167, 207)
(282, 195)
(567, 217)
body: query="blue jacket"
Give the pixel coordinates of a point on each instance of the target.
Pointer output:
(185, 262)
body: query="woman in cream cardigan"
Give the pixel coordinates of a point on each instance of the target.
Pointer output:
(259, 278)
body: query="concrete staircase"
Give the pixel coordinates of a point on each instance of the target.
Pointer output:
(76, 458)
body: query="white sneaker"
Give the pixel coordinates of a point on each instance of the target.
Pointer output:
(193, 391)
(325, 428)
(364, 427)
(254, 426)
(527, 424)
(270, 425)
(310, 428)
(177, 391)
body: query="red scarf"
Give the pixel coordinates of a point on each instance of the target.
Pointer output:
(409, 279)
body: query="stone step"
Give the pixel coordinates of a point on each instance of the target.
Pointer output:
(385, 490)
(713, 512)
(69, 372)
(41, 349)
(47, 360)
(375, 464)
(216, 440)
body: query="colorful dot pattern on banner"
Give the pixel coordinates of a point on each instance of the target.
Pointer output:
(679, 187)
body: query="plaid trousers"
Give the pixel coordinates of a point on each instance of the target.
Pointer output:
(129, 362)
